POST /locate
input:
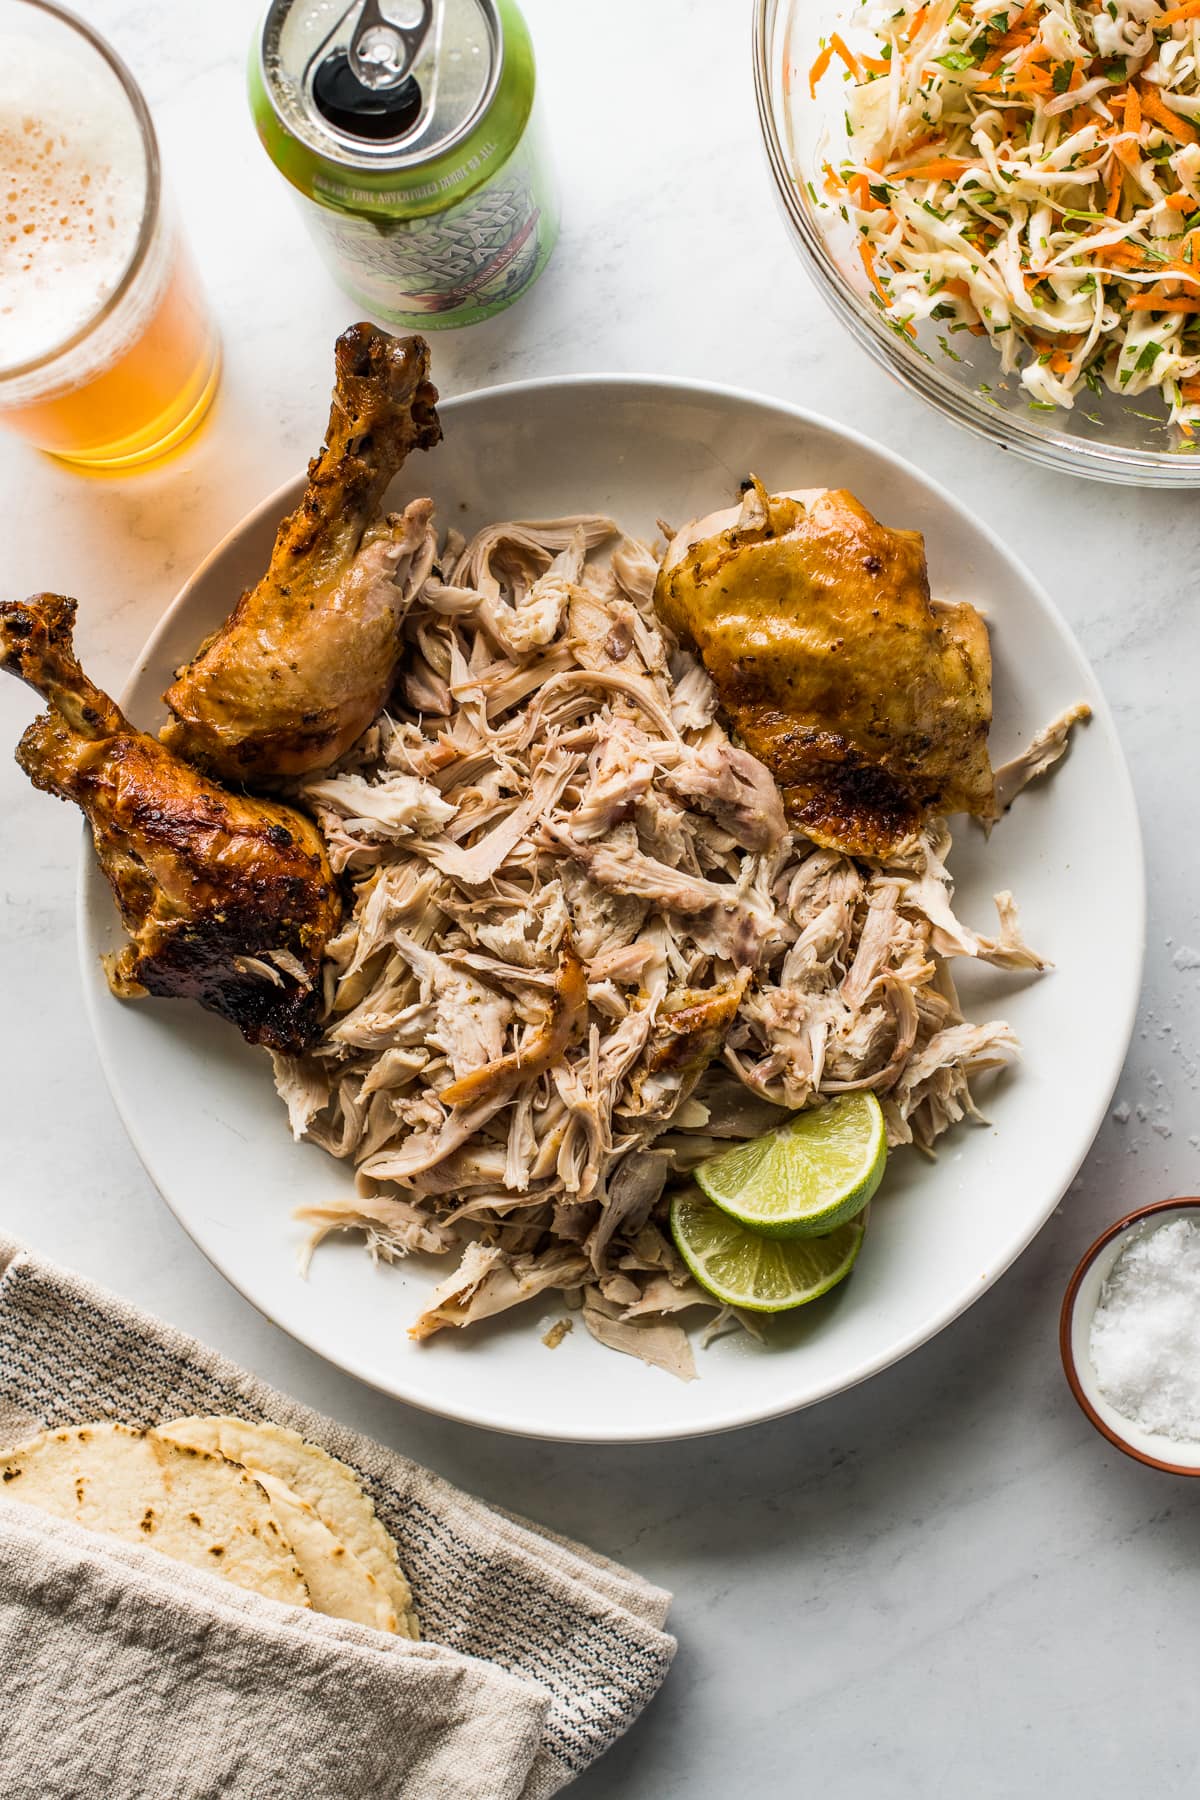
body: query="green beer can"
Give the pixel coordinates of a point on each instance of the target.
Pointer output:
(409, 131)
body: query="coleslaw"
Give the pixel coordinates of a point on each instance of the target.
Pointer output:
(1030, 170)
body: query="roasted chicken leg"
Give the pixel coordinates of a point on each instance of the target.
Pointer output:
(307, 658)
(869, 703)
(228, 900)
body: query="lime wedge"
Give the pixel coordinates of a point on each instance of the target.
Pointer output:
(742, 1268)
(812, 1174)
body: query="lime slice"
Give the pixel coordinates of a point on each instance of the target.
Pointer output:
(763, 1274)
(809, 1176)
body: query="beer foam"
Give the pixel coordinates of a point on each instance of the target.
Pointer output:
(72, 192)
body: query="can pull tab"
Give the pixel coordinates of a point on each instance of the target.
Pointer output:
(383, 50)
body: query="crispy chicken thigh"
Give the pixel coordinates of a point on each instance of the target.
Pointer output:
(307, 658)
(869, 703)
(228, 900)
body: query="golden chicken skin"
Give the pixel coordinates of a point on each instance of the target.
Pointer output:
(307, 658)
(869, 703)
(227, 900)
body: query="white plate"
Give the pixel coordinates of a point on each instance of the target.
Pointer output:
(200, 1107)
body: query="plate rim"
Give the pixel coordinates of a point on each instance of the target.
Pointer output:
(742, 1416)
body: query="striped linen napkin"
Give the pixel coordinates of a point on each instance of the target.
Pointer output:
(125, 1675)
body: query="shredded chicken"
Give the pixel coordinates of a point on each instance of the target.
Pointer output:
(1041, 753)
(584, 949)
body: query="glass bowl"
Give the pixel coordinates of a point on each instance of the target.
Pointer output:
(1105, 437)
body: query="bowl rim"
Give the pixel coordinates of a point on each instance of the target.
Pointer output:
(1096, 461)
(1066, 1323)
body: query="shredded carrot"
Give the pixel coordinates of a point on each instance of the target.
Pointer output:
(1031, 81)
(930, 140)
(836, 42)
(1182, 203)
(1013, 40)
(918, 19)
(1033, 54)
(818, 70)
(1014, 35)
(867, 252)
(1161, 113)
(958, 287)
(1116, 177)
(860, 192)
(833, 183)
(1132, 255)
(942, 168)
(1060, 362)
(1189, 10)
(875, 64)
(1152, 303)
(1023, 17)
(1126, 146)
(1189, 390)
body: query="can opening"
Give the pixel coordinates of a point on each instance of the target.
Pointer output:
(374, 114)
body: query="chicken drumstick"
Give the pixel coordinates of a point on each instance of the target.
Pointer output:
(306, 659)
(228, 900)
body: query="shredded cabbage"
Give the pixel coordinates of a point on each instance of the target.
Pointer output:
(1032, 172)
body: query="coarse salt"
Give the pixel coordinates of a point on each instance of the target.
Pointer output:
(1145, 1337)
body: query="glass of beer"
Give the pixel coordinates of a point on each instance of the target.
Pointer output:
(108, 353)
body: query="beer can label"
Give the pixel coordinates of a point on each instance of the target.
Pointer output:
(454, 266)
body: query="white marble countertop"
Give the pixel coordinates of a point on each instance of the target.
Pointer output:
(942, 1584)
